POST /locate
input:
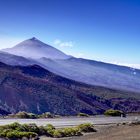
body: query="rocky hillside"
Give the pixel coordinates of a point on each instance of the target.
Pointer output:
(35, 89)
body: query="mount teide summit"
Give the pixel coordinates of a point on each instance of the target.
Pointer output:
(78, 69)
(35, 49)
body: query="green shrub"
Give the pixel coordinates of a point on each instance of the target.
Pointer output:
(18, 131)
(14, 126)
(17, 134)
(112, 112)
(29, 128)
(86, 127)
(67, 132)
(50, 126)
(83, 115)
(46, 115)
(32, 116)
(58, 133)
(49, 129)
(23, 115)
(13, 134)
(4, 132)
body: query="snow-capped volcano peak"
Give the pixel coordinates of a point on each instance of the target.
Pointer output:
(34, 48)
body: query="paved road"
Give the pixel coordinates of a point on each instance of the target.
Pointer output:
(72, 121)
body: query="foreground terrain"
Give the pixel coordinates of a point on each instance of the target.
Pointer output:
(104, 128)
(123, 132)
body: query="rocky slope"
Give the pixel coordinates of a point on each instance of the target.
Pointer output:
(35, 89)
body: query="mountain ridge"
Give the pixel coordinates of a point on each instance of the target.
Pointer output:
(35, 89)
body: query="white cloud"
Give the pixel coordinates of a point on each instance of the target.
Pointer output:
(128, 64)
(62, 44)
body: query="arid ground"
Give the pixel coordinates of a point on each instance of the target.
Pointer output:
(122, 132)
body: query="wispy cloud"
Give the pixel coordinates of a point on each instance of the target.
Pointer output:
(63, 44)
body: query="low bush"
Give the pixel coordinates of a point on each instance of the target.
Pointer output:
(58, 133)
(46, 115)
(4, 132)
(83, 115)
(18, 131)
(86, 127)
(32, 116)
(67, 132)
(17, 134)
(49, 129)
(112, 112)
(24, 115)
(50, 126)
(30, 128)
(13, 126)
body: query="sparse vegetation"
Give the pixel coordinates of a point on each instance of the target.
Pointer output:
(87, 127)
(18, 131)
(46, 115)
(83, 115)
(23, 115)
(17, 134)
(26, 115)
(112, 112)
(58, 133)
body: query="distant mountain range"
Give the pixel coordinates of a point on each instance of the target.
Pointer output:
(38, 78)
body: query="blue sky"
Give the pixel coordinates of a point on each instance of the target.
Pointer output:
(106, 30)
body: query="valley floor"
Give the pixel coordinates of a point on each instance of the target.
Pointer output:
(111, 132)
